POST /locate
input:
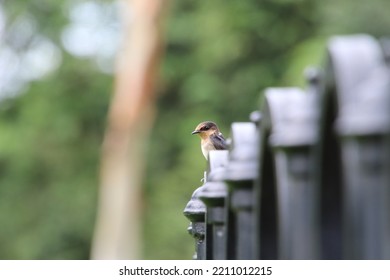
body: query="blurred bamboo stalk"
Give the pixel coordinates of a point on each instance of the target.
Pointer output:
(118, 226)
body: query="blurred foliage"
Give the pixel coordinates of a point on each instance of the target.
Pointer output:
(49, 152)
(220, 55)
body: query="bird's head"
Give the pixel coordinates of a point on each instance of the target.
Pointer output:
(205, 129)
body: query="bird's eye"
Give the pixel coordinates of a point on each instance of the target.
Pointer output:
(206, 127)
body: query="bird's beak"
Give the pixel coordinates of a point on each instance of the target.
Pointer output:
(195, 132)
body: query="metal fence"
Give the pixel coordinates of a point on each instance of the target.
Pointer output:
(309, 176)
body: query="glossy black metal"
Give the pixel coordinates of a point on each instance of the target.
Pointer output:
(241, 172)
(293, 121)
(265, 199)
(214, 194)
(195, 211)
(327, 166)
(362, 82)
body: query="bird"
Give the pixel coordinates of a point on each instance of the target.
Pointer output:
(211, 137)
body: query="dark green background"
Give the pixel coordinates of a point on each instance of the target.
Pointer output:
(220, 55)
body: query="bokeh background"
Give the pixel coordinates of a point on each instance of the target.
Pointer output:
(56, 78)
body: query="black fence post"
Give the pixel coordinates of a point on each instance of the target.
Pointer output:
(195, 211)
(294, 121)
(362, 82)
(264, 198)
(241, 172)
(213, 194)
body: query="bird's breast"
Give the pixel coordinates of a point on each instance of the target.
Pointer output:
(207, 146)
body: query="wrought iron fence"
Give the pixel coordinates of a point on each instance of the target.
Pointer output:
(308, 177)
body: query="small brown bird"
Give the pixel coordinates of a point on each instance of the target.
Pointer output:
(212, 138)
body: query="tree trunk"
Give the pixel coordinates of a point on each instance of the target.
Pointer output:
(130, 118)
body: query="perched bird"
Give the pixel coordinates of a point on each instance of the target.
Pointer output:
(212, 138)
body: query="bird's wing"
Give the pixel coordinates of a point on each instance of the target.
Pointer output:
(219, 141)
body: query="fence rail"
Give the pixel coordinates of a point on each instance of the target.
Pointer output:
(309, 176)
